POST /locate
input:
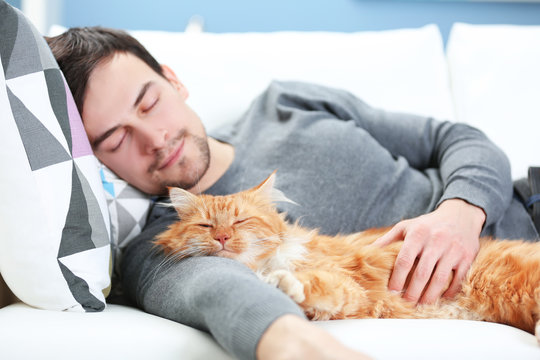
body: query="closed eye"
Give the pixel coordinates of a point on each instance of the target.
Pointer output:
(147, 109)
(113, 142)
(123, 136)
(240, 221)
(205, 225)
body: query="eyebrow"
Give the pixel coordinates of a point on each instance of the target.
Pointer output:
(143, 91)
(102, 137)
(106, 134)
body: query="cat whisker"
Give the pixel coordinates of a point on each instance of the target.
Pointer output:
(168, 260)
(181, 253)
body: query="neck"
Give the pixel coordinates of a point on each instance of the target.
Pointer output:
(221, 157)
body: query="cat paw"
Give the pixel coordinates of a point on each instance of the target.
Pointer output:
(537, 331)
(288, 283)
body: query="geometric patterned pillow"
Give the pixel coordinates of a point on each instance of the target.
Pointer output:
(128, 210)
(54, 224)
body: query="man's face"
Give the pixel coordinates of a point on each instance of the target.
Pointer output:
(140, 126)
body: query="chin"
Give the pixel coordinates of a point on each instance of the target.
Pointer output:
(227, 254)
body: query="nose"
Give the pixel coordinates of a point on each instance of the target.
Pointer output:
(222, 237)
(152, 138)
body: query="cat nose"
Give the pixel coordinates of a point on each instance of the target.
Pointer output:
(222, 238)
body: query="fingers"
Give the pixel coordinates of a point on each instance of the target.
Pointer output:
(439, 280)
(435, 259)
(439, 256)
(451, 266)
(404, 264)
(459, 275)
(395, 234)
(421, 276)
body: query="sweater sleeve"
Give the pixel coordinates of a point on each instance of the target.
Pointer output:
(213, 294)
(471, 166)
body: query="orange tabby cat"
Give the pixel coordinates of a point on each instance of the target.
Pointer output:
(339, 277)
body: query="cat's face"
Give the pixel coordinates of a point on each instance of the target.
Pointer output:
(243, 226)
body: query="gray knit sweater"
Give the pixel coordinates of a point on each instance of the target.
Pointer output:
(349, 167)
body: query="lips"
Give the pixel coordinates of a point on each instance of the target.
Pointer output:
(173, 156)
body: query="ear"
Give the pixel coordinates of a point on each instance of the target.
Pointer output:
(181, 199)
(267, 185)
(170, 75)
(267, 189)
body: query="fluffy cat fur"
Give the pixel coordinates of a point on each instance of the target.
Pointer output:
(341, 277)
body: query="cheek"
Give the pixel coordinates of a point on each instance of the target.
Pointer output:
(238, 240)
(251, 239)
(201, 239)
(170, 114)
(123, 166)
(134, 170)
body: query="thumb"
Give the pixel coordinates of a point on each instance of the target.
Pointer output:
(395, 234)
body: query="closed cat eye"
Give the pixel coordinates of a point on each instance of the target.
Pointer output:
(241, 221)
(204, 225)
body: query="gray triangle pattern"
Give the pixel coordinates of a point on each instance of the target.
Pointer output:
(100, 236)
(129, 192)
(57, 96)
(142, 220)
(45, 54)
(80, 290)
(26, 48)
(9, 35)
(77, 232)
(42, 148)
(126, 222)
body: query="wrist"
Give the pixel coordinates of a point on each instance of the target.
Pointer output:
(274, 339)
(294, 337)
(463, 208)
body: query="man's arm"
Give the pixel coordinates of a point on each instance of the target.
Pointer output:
(471, 166)
(474, 172)
(223, 297)
(291, 337)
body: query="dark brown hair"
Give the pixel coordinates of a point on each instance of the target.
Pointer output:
(79, 50)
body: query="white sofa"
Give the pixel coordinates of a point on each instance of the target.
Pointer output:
(487, 76)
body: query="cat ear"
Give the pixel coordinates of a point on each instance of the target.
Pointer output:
(266, 188)
(181, 199)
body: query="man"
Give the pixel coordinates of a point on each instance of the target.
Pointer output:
(349, 167)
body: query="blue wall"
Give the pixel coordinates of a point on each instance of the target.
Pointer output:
(16, 3)
(272, 15)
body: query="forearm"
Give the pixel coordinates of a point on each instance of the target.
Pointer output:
(220, 296)
(470, 166)
(291, 337)
(217, 295)
(475, 170)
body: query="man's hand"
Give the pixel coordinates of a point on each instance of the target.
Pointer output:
(291, 337)
(443, 242)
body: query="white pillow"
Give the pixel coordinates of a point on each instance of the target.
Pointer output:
(401, 70)
(495, 75)
(54, 242)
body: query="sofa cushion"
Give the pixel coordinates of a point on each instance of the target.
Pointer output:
(495, 75)
(54, 246)
(398, 70)
(121, 332)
